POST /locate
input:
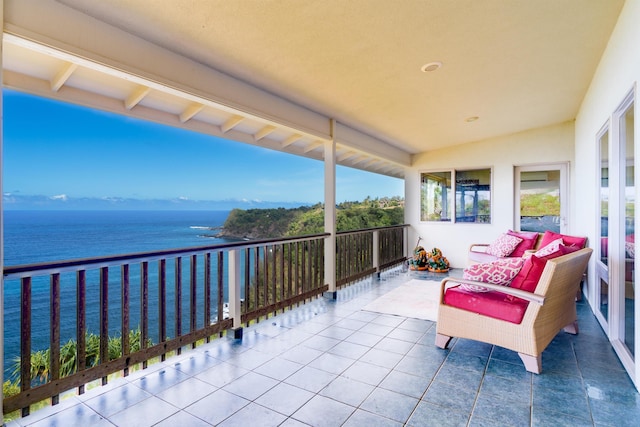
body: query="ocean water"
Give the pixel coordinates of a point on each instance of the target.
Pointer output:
(44, 236)
(41, 236)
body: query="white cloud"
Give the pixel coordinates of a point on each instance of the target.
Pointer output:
(62, 197)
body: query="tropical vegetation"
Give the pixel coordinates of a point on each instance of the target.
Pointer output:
(41, 359)
(281, 222)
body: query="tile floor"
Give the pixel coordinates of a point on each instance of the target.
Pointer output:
(328, 363)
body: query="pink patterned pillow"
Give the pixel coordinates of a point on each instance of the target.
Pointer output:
(498, 272)
(550, 249)
(503, 245)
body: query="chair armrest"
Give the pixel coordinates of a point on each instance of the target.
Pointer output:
(478, 247)
(529, 296)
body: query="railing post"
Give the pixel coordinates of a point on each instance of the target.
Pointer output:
(405, 242)
(376, 251)
(235, 307)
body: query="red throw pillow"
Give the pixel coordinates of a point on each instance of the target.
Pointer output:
(550, 236)
(529, 239)
(527, 278)
(529, 275)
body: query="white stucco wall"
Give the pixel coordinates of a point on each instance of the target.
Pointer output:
(553, 144)
(616, 76)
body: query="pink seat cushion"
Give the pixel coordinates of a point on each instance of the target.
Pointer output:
(492, 304)
(529, 239)
(550, 236)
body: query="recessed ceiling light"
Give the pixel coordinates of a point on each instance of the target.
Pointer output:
(471, 119)
(431, 66)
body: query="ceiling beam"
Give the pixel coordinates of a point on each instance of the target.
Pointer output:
(231, 122)
(62, 76)
(290, 140)
(190, 111)
(136, 96)
(264, 132)
(312, 146)
(347, 155)
(359, 160)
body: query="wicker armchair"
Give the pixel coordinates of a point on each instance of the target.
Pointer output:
(550, 309)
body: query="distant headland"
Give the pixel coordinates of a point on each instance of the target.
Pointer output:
(254, 224)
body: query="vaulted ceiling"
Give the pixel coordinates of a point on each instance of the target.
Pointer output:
(501, 66)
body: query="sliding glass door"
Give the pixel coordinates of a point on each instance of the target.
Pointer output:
(602, 248)
(615, 295)
(625, 283)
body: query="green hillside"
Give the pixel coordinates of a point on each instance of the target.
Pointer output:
(281, 222)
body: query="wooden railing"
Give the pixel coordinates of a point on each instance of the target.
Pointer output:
(91, 312)
(364, 252)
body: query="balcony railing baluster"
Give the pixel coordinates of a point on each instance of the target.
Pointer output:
(178, 299)
(247, 279)
(25, 340)
(144, 307)
(220, 288)
(162, 304)
(81, 323)
(104, 318)
(194, 296)
(206, 291)
(282, 281)
(54, 341)
(124, 306)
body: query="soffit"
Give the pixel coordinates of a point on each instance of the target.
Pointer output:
(516, 64)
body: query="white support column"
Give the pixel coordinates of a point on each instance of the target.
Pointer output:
(235, 309)
(330, 211)
(1, 219)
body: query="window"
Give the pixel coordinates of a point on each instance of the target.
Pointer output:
(471, 201)
(435, 199)
(473, 196)
(542, 191)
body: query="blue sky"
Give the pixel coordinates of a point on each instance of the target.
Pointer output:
(72, 156)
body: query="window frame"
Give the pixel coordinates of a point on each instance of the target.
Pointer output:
(452, 200)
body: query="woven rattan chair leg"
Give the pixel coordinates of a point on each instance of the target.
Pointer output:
(442, 341)
(572, 328)
(531, 363)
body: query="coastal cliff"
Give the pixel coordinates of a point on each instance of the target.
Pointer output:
(254, 224)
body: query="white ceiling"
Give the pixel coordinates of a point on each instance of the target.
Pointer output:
(516, 64)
